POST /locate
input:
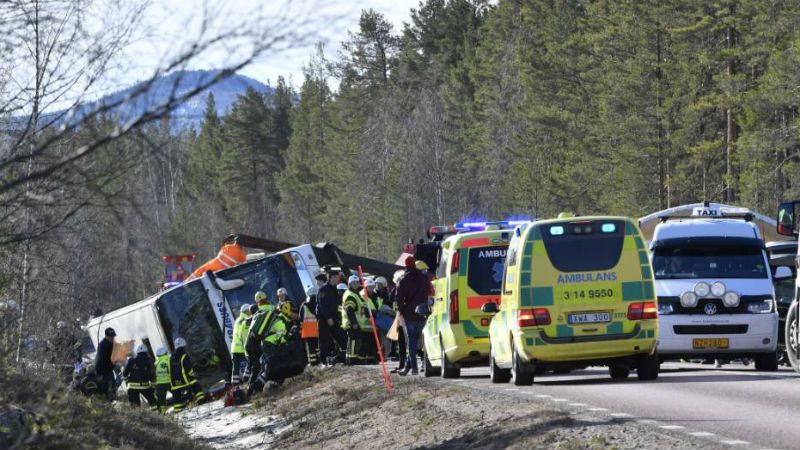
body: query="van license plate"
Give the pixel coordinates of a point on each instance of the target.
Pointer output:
(712, 343)
(599, 317)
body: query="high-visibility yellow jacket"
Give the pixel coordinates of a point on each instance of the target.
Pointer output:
(353, 301)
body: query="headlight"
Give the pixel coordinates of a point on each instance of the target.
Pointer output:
(731, 299)
(718, 289)
(689, 299)
(762, 307)
(702, 289)
(665, 308)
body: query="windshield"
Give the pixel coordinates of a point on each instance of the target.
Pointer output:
(485, 271)
(708, 262)
(584, 245)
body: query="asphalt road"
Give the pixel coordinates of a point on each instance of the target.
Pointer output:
(734, 405)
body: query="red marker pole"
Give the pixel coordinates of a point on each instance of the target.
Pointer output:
(375, 333)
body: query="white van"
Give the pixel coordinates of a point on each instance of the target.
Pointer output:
(714, 286)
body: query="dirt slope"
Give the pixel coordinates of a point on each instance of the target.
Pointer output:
(347, 408)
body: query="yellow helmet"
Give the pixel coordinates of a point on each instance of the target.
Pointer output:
(261, 297)
(421, 265)
(285, 308)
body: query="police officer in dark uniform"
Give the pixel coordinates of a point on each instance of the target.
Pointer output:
(329, 317)
(103, 366)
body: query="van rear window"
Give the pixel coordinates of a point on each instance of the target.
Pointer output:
(584, 246)
(485, 270)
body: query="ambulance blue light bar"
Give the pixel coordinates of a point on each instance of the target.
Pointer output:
(478, 226)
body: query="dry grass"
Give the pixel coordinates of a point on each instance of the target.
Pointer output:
(67, 420)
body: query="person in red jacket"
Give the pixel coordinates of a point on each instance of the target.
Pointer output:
(412, 291)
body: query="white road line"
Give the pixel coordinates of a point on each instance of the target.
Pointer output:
(647, 421)
(702, 434)
(620, 415)
(671, 427)
(560, 400)
(543, 396)
(510, 389)
(598, 409)
(577, 404)
(735, 442)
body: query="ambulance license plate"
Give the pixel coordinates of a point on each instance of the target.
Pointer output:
(595, 317)
(712, 343)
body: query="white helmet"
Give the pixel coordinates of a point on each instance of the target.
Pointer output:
(244, 309)
(282, 291)
(161, 351)
(310, 292)
(369, 282)
(141, 348)
(353, 279)
(180, 342)
(381, 281)
(341, 287)
(61, 324)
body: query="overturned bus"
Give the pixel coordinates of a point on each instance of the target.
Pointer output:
(202, 310)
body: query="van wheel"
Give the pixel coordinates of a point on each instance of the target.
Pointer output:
(430, 371)
(791, 337)
(619, 372)
(767, 363)
(449, 370)
(648, 367)
(496, 374)
(518, 375)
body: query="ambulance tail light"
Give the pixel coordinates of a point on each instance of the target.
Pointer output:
(533, 317)
(456, 262)
(642, 311)
(454, 307)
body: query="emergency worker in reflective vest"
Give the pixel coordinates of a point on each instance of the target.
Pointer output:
(356, 322)
(309, 327)
(240, 332)
(182, 378)
(139, 375)
(162, 378)
(272, 330)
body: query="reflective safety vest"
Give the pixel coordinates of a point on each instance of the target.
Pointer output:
(309, 329)
(356, 302)
(239, 334)
(273, 329)
(181, 372)
(162, 369)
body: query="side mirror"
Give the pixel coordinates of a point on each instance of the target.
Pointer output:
(490, 308)
(423, 310)
(787, 219)
(782, 273)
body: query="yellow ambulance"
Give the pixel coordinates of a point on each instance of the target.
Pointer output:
(469, 275)
(577, 292)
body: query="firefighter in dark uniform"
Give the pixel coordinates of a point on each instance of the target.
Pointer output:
(328, 312)
(182, 379)
(139, 374)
